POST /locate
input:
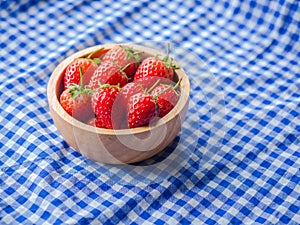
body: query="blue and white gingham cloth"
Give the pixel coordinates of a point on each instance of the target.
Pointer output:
(237, 158)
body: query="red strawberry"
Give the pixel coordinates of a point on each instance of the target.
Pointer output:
(153, 68)
(95, 122)
(77, 103)
(167, 97)
(130, 89)
(107, 107)
(133, 88)
(88, 66)
(142, 109)
(108, 72)
(76, 100)
(124, 56)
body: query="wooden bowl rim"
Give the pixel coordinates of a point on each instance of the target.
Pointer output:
(54, 102)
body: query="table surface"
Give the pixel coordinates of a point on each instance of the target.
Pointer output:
(237, 157)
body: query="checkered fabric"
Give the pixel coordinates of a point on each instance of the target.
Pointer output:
(237, 157)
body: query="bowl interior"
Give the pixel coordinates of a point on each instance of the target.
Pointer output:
(56, 83)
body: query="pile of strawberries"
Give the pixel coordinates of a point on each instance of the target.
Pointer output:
(120, 89)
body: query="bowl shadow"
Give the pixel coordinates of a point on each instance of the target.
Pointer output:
(161, 156)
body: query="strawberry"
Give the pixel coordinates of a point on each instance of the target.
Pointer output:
(153, 67)
(124, 56)
(79, 107)
(76, 101)
(133, 88)
(95, 122)
(142, 109)
(88, 66)
(107, 106)
(166, 96)
(108, 72)
(130, 89)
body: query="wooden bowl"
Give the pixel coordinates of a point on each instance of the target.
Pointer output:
(116, 146)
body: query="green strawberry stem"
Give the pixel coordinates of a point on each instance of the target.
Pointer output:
(125, 67)
(168, 50)
(96, 60)
(93, 53)
(76, 90)
(152, 87)
(170, 87)
(101, 86)
(105, 86)
(131, 54)
(81, 77)
(177, 84)
(168, 60)
(122, 69)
